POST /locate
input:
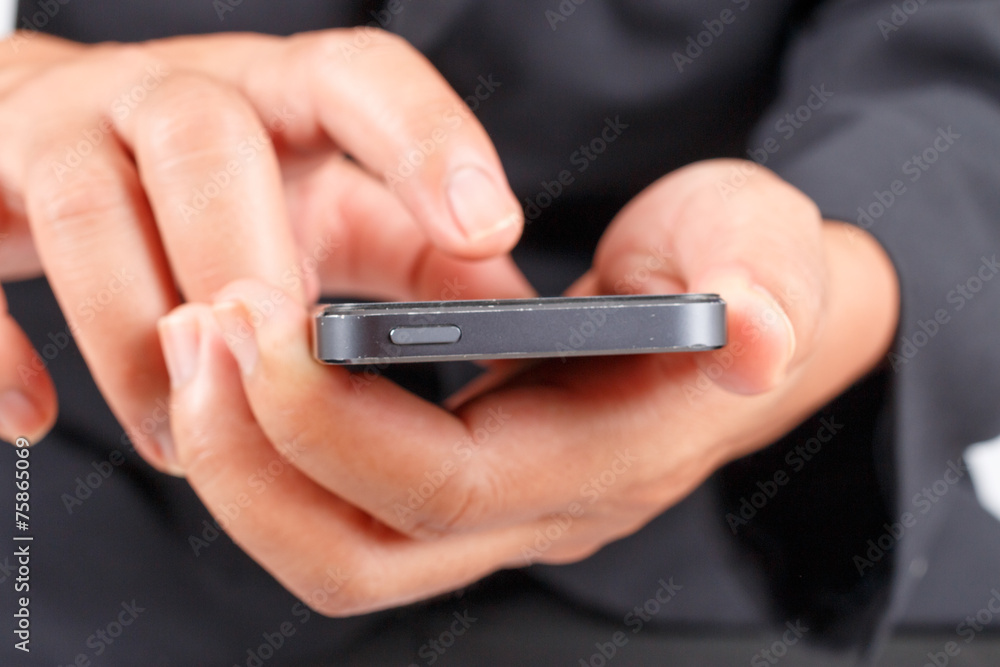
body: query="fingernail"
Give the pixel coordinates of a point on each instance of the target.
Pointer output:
(168, 451)
(18, 415)
(239, 334)
(479, 206)
(180, 336)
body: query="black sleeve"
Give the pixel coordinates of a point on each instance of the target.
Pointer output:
(888, 116)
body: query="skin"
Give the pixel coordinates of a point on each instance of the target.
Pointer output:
(105, 148)
(351, 474)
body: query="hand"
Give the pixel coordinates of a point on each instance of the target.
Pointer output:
(359, 496)
(140, 176)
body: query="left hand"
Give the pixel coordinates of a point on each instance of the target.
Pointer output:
(330, 472)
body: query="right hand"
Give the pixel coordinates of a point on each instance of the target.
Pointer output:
(136, 177)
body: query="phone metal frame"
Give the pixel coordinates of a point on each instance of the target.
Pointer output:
(364, 333)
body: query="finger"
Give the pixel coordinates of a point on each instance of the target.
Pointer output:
(331, 555)
(387, 107)
(27, 397)
(98, 243)
(361, 241)
(211, 175)
(349, 424)
(759, 247)
(103, 248)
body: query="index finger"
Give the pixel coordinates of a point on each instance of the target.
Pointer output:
(386, 106)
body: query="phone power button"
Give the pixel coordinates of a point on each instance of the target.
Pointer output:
(434, 335)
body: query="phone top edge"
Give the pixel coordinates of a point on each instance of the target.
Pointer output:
(342, 309)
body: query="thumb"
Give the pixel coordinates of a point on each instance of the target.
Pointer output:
(760, 248)
(761, 338)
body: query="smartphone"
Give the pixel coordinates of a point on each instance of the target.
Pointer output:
(386, 333)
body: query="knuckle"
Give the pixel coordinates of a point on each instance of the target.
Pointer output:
(464, 504)
(378, 38)
(121, 57)
(802, 207)
(194, 119)
(126, 69)
(76, 200)
(198, 457)
(340, 45)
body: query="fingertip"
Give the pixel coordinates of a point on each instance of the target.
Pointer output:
(484, 211)
(589, 284)
(203, 375)
(248, 290)
(257, 320)
(25, 416)
(761, 337)
(28, 404)
(235, 324)
(182, 335)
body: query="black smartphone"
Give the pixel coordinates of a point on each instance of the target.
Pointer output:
(381, 333)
